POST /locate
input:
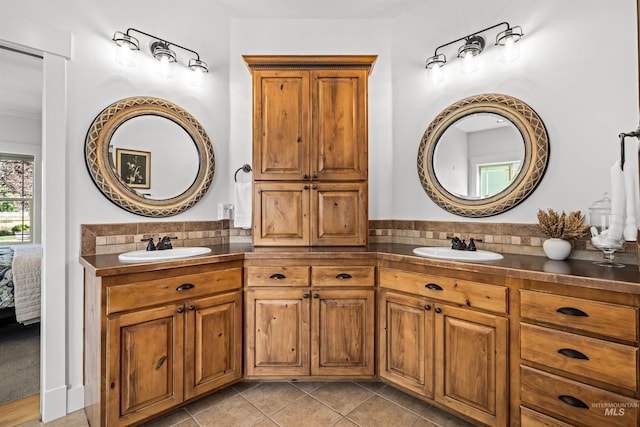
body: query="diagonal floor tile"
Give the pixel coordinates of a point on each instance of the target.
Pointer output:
(270, 397)
(306, 411)
(232, 412)
(341, 397)
(379, 412)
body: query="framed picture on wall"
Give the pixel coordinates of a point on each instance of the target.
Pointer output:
(134, 167)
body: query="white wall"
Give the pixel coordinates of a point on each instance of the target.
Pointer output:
(585, 94)
(578, 70)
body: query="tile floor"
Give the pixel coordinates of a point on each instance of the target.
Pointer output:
(367, 404)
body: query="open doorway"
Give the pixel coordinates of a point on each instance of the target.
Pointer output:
(21, 77)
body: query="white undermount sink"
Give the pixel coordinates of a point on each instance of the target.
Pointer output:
(457, 255)
(163, 255)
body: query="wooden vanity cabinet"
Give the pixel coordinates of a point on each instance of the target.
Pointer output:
(579, 356)
(310, 321)
(435, 343)
(310, 155)
(154, 340)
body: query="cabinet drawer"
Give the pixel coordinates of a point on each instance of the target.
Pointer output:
(462, 292)
(601, 360)
(581, 314)
(343, 276)
(530, 418)
(277, 276)
(580, 403)
(163, 291)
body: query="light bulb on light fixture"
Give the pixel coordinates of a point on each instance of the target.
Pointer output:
(165, 57)
(434, 67)
(508, 46)
(199, 68)
(126, 47)
(469, 52)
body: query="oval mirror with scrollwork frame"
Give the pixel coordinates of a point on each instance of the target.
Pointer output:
(100, 164)
(534, 164)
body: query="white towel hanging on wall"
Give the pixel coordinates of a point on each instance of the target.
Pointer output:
(625, 190)
(631, 185)
(243, 201)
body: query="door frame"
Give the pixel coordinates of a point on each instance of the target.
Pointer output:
(54, 45)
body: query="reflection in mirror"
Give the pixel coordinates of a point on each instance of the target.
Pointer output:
(165, 153)
(474, 169)
(149, 151)
(478, 156)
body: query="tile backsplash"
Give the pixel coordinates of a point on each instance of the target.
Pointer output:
(523, 239)
(99, 239)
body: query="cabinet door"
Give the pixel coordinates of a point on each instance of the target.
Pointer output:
(277, 332)
(213, 354)
(281, 214)
(145, 364)
(406, 342)
(343, 332)
(339, 214)
(471, 361)
(281, 125)
(339, 124)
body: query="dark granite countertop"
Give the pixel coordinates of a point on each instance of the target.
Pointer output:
(570, 272)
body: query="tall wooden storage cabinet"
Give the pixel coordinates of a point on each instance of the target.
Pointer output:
(310, 158)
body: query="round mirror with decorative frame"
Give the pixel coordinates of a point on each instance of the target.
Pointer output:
(131, 135)
(483, 155)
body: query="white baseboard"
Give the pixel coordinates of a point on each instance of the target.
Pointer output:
(53, 404)
(75, 399)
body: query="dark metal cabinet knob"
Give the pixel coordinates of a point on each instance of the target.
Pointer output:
(438, 310)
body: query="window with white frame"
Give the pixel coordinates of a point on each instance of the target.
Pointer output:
(16, 199)
(496, 177)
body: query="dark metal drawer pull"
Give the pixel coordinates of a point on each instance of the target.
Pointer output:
(277, 276)
(343, 276)
(433, 287)
(185, 286)
(574, 354)
(573, 401)
(570, 311)
(161, 362)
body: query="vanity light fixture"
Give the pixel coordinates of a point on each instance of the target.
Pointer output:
(474, 44)
(161, 49)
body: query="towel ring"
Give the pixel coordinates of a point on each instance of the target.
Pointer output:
(246, 168)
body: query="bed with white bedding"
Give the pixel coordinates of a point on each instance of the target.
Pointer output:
(20, 281)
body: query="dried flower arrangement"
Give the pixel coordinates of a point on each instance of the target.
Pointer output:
(562, 226)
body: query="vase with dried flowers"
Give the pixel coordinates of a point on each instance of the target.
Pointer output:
(561, 229)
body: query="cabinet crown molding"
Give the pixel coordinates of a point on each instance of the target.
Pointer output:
(309, 61)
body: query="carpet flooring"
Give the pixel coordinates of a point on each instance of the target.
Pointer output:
(19, 361)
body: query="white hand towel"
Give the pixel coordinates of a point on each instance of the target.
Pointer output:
(631, 185)
(618, 200)
(242, 214)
